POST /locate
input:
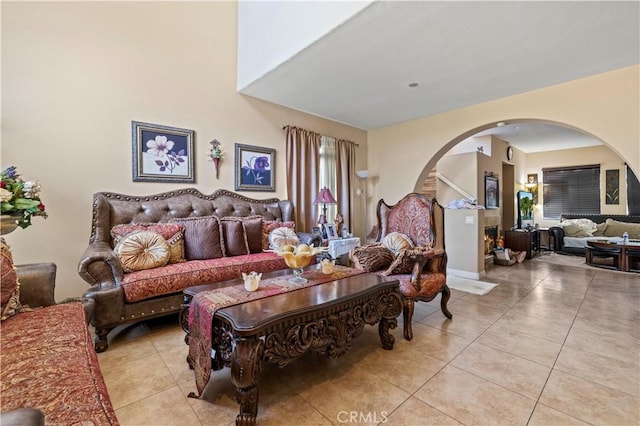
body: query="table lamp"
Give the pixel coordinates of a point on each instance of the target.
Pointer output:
(324, 198)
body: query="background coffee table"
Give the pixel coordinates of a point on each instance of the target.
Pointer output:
(620, 254)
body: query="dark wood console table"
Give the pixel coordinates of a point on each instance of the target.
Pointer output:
(521, 240)
(323, 319)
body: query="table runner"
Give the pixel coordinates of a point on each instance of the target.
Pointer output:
(204, 305)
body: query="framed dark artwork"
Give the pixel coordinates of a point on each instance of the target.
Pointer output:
(491, 192)
(254, 168)
(612, 181)
(162, 153)
(532, 186)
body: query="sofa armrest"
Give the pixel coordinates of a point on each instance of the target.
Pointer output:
(108, 305)
(37, 284)
(100, 265)
(22, 417)
(558, 237)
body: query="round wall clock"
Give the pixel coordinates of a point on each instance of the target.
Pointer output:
(509, 153)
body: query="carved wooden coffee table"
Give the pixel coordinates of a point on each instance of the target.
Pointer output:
(279, 329)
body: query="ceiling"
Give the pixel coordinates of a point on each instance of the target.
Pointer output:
(459, 54)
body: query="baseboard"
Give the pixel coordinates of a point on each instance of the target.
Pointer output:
(466, 274)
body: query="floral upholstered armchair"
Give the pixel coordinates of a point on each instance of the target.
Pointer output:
(409, 248)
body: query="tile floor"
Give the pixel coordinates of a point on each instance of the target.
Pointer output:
(551, 345)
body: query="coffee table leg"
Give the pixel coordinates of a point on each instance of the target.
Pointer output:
(389, 320)
(246, 366)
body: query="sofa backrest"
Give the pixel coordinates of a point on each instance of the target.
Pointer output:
(600, 218)
(110, 209)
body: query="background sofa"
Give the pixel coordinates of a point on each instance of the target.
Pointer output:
(224, 235)
(611, 227)
(49, 372)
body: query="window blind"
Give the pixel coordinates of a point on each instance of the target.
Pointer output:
(571, 190)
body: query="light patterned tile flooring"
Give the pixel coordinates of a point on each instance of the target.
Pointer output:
(551, 345)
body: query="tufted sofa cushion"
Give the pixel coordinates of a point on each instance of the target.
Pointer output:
(174, 278)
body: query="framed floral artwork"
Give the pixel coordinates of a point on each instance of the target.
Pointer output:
(162, 153)
(254, 168)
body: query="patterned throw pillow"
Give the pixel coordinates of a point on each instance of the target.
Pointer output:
(396, 241)
(283, 236)
(371, 258)
(270, 225)
(10, 287)
(202, 237)
(405, 260)
(173, 233)
(141, 250)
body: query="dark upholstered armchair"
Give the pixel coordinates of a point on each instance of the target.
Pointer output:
(420, 266)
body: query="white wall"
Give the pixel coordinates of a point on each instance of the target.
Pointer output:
(74, 76)
(271, 32)
(606, 106)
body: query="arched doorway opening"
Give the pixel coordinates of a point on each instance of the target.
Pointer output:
(490, 141)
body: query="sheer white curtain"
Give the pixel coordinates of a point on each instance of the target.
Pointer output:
(328, 173)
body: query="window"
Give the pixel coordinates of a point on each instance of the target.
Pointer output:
(328, 176)
(571, 190)
(633, 193)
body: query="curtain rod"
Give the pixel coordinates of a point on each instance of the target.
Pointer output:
(285, 126)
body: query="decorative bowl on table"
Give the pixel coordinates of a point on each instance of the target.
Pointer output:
(297, 258)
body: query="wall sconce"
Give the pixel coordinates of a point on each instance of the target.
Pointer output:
(532, 186)
(362, 174)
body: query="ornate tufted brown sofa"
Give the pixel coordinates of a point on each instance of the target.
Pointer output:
(122, 298)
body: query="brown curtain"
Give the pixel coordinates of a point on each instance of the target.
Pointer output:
(345, 172)
(303, 174)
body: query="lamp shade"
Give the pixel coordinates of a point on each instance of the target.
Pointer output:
(325, 197)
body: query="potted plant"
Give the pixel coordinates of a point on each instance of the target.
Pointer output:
(19, 199)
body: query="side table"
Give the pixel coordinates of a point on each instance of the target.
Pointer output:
(521, 240)
(338, 248)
